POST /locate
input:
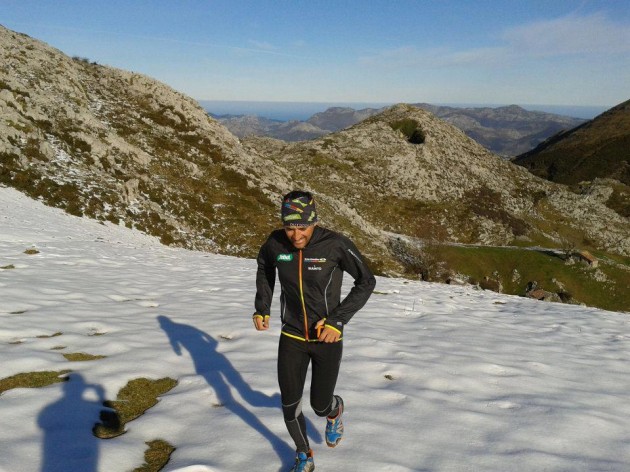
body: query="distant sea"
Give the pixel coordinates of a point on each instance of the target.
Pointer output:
(286, 111)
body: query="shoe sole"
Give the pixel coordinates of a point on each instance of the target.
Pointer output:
(333, 444)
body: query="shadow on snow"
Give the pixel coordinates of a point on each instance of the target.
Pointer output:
(222, 377)
(69, 445)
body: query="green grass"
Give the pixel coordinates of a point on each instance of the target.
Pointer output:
(132, 401)
(54, 335)
(323, 160)
(32, 380)
(156, 456)
(81, 357)
(577, 279)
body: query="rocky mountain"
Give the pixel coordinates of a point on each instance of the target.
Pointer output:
(407, 172)
(506, 131)
(118, 146)
(595, 155)
(338, 118)
(251, 125)
(320, 124)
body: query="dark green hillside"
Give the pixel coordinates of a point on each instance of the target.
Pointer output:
(597, 149)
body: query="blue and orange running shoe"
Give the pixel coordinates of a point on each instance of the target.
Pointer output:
(304, 462)
(334, 426)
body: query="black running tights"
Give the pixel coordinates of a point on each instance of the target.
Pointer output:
(294, 357)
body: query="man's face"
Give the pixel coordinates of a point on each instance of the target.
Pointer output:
(299, 235)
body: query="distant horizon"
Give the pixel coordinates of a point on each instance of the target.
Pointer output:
(301, 111)
(563, 51)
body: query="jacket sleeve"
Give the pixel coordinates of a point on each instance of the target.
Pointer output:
(353, 263)
(265, 280)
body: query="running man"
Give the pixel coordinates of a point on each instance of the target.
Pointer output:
(310, 261)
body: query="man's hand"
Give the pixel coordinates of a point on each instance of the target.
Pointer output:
(261, 323)
(326, 334)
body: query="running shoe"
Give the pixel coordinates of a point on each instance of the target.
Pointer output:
(334, 426)
(304, 462)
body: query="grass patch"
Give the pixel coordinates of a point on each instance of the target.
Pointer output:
(406, 216)
(488, 203)
(503, 263)
(32, 380)
(156, 456)
(44, 336)
(132, 401)
(7, 267)
(619, 200)
(81, 357)
(31, 251)
(323, 160)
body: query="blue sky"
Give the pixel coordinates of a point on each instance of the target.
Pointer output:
(555, 52)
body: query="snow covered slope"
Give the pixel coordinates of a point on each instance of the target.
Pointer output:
(435, 378)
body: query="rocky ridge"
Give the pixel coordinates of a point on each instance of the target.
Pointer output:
(120, 146)
(506, 131)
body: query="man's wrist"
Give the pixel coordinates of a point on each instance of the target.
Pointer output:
(333, 328)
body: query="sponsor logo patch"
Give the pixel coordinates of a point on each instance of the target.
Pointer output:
(284, 257)
(314, 268)
(316, 260)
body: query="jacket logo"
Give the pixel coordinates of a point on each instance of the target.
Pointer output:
(317, 260)
(284, 257)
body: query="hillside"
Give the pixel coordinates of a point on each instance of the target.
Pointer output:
(444, 186)
(506, 131)
(251, 125)
(485, 380)
(320, 124)
(598, 150)
(338, 118)
(117, 146)
(415, 184)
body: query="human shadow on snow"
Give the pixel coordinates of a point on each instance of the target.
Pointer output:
(69, 445)
(222, 377)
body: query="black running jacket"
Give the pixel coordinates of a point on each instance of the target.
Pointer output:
(310, 281)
